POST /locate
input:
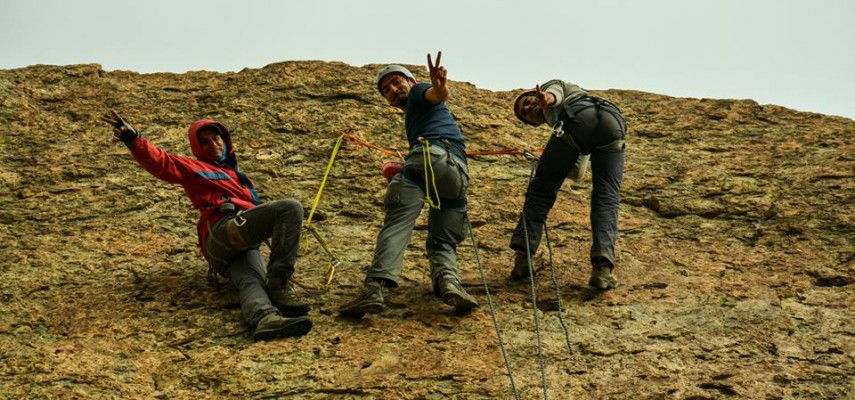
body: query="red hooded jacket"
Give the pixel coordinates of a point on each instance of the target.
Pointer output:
(208, 183)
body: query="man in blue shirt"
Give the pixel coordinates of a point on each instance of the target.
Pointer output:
(436, 173)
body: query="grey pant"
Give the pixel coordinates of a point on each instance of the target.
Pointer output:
(599, 133)
(404, 202)
(232, 249)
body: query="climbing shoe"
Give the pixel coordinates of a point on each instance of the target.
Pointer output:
(282, 296)
(274, 326)
(520, 272)
(369, 301)
(602, 277)
(452, 293)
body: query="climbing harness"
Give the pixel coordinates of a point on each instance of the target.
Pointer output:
(470, 154)
(582, 104)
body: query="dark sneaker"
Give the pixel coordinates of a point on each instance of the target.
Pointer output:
(452, 293)
(274, 326)
(602, 277)
(520, 272)
(282, 296)
(369, 301)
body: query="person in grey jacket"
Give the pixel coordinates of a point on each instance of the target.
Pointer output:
(435, 172)
(582, 124)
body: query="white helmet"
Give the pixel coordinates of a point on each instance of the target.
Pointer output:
(391, 69)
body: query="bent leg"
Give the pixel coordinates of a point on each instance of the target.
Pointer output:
(280, 221)
(555, 163)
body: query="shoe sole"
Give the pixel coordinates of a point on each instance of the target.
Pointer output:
(293, 327)
(359, 312)
(460, 303)
(294, 311)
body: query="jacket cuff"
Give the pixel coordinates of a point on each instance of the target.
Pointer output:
(128, 138)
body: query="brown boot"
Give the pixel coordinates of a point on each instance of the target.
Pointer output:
(453, 294)
(282, 296)
(369, 301)
(520, 272)
(274, 326)
(602, 276)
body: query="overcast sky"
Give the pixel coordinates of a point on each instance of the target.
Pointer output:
(798, 54)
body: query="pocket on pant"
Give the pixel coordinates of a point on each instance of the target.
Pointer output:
(217, 251)
(447, 225)
(451, 175)
(401, 191)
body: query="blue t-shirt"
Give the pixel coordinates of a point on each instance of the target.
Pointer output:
(427, 120)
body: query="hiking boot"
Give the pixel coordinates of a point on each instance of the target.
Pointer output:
(602, 277)
(369, 301)
(520, 272)
(452, 293)
(282, 296)
(274, 326)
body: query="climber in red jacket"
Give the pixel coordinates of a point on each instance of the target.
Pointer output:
(233, 223)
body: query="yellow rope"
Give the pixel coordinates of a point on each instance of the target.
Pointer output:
(333, 260)
(324, 181)
(307, 226)
(432, 182)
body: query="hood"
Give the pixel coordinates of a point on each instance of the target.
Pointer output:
(227, 140)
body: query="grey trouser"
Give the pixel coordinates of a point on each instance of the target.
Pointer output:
(404, 202)
(232, 250)
(593, 131)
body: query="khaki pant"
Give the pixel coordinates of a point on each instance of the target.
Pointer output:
(232, 249)
(405, 198)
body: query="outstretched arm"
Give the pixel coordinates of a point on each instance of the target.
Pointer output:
(162, 165)
(438, 92)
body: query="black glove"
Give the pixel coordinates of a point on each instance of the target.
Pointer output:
(126, 132)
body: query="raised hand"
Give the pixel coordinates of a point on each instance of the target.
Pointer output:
(438, 80)
(543, 99)
(438, 73)
(121, 129)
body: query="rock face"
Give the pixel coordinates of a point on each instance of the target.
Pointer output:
(735, 256)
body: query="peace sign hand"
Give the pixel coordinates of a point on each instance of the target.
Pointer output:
(438, 92)
(438, 73)
(121, 129)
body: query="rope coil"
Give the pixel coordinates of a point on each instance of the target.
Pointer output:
(432, 182)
